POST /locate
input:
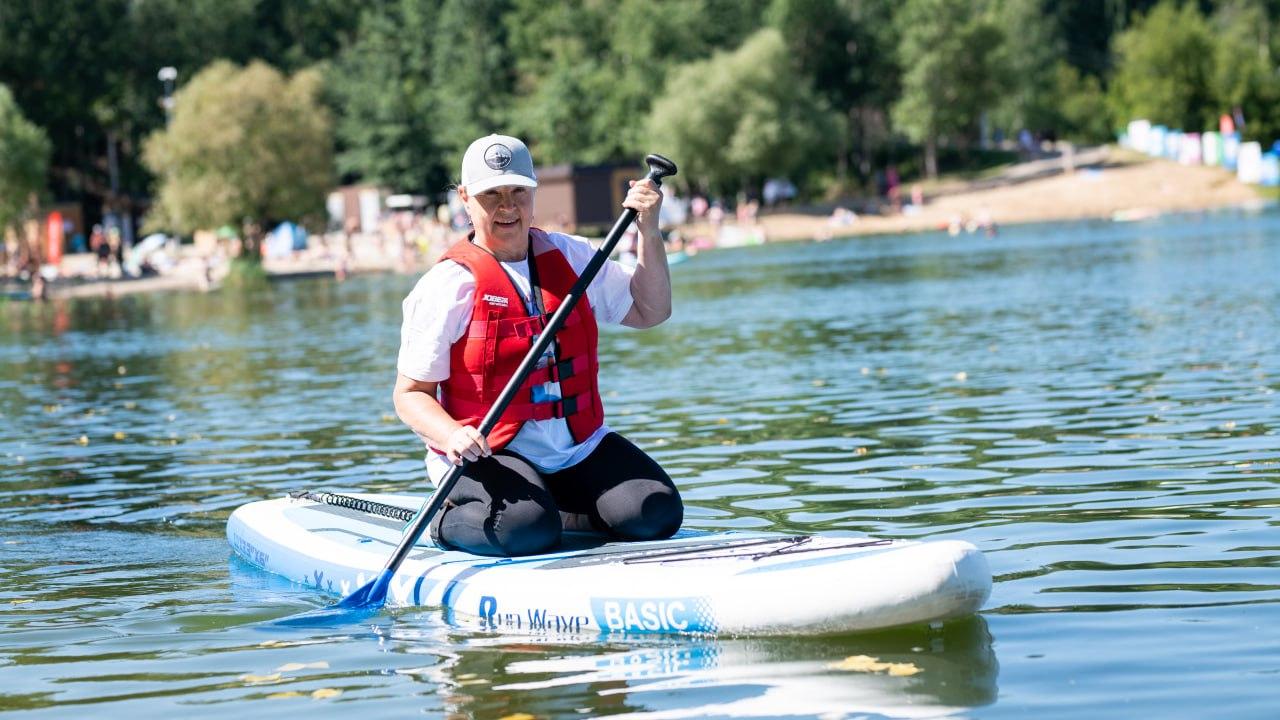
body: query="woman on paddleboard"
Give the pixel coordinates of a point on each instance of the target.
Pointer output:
(470, 321)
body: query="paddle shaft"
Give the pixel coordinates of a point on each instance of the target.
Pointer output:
(659, 167)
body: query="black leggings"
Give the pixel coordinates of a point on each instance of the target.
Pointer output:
(503, 506)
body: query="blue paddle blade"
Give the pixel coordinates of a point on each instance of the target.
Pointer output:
(362, 603)
(370, 596)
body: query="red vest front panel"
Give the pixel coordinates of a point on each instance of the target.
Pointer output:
(501, 333)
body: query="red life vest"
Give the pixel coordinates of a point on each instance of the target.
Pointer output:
(500, 334)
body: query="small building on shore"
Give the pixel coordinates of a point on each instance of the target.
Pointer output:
(356, 208)
(580, 198)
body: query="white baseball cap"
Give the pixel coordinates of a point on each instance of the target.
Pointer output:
(497, 160)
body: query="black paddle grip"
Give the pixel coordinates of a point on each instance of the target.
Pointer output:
(659, 167)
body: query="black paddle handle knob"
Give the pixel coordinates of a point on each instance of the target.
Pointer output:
(659, 167)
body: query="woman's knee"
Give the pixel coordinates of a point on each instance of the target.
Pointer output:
(525, 528)
(499, 507)
(641, 509)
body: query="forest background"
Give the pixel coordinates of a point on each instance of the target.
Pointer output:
(293, 96)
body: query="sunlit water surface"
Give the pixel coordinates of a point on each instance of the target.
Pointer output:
(1093, 405)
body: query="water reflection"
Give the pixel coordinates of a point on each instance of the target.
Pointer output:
(957, 670)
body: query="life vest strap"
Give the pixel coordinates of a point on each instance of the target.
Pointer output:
(559, 372)
(522, 327)
(562, 370)
(518, 411)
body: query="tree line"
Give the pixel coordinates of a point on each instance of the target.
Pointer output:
(280, 98)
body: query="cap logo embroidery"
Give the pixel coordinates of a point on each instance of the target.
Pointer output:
(497, 156)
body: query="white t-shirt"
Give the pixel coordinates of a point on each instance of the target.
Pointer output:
(438, 311)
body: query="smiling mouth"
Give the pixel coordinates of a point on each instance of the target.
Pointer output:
(507, 223)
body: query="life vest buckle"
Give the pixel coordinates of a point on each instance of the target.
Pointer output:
(562, 370)
(566, 407)
(527, 327)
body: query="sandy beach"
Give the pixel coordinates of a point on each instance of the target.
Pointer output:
(1102, 183)
(192, 271)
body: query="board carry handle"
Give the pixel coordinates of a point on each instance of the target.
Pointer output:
(373, 595)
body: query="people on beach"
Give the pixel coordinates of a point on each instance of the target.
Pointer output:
(893, 188)
(99, 246)
(39, 289)
(551, 463)
(982, 221)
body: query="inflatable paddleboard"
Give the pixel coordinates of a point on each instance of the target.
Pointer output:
(722, 583)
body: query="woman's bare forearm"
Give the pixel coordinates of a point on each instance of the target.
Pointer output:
(650, 284)
(416, 405)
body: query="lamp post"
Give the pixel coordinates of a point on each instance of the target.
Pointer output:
(167, 75)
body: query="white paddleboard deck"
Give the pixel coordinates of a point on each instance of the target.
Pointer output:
(723, 583)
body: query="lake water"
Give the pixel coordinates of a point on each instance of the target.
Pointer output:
(1094, 405)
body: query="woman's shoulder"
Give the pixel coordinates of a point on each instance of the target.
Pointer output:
(574, 247)
(444, 276)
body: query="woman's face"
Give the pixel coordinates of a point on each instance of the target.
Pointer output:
(502, 214)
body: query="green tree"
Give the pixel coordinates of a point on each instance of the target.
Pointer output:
(295, 34)
(1089, 29)
(818, 34)
(948, 51)
(845, 48)
(719, 24)
(85, 70)
(1164, 70)
(183, 34)
(821, 40)
(380, 85)
(1082, 112)
(880, 79)
(557, 115)
(645, 40)
(128, 103)
(1245, 74)
(472, 75)
(1032, 47)
(740, 116)
(559, 49)
(190, 34)
(57, 56)
(245, 145)
(588, 70)
(24, 161)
